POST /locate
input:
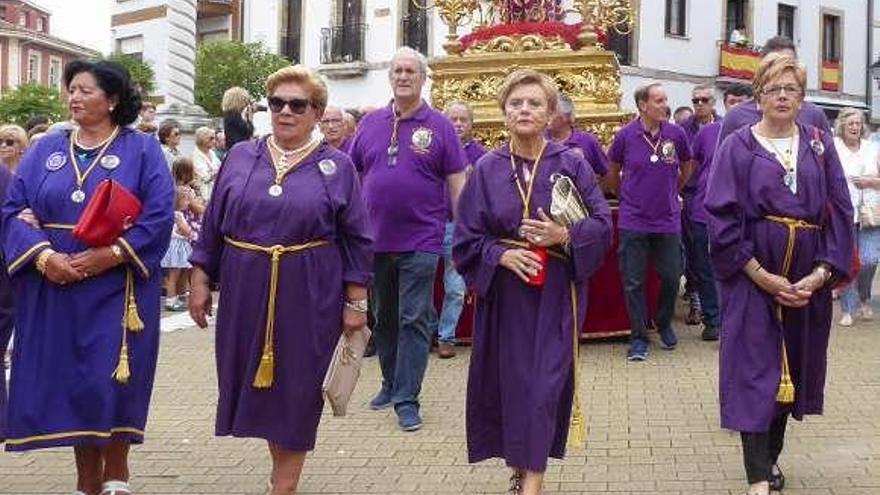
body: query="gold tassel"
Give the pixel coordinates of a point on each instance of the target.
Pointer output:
(577, 426)
(122, 372)
(785, 393)
(266, 371)
(130, 317)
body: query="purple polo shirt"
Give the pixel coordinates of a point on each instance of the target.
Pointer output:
(474, 151)
(407, 200)
(704, 150)
(587, 146)
(748, 113)
(692, 126)
(649, 190)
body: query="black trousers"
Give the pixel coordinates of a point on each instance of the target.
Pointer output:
(761, 450)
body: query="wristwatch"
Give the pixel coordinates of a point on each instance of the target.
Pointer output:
(824, 271)
(117, 252)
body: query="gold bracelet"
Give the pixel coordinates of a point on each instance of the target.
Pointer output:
(117, 252)
(42, 259)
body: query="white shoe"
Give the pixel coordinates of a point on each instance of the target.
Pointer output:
(846, 320)
(79, 493)
(114, 487)
(866, 313)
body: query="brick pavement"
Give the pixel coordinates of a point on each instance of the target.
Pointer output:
(653, 429)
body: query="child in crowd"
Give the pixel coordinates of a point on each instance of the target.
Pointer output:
(187, 214)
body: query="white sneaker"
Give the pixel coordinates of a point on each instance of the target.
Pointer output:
(866, 313)
(846, 320)
(114, 487)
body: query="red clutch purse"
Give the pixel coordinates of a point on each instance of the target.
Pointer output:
(111, 211)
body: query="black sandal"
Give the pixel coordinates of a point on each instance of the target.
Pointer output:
(776, 480)
(515, 484)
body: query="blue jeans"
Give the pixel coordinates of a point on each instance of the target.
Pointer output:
(403, 291)
(633, 253)
(454, 290)
(702, 267)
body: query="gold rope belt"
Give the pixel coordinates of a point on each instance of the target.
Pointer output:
(785, 394)
(265, 375)
(577, 430)
(131, 320)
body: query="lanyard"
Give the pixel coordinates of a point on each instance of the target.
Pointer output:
(526, 193)
(653, 146)
(80, 175)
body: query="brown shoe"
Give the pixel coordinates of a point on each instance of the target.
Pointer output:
(445, 350)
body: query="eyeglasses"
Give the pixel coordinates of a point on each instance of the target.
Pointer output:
(789, 89)
(296, 105)
(700, 101)
(329, 122)
(8, 142)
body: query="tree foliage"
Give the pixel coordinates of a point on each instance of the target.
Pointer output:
(142, 73)
(223, 64)
(27, 100)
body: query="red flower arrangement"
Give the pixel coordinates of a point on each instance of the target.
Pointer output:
(568, 32)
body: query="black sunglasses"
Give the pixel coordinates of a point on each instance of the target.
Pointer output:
(8, 142)
(296, 105)
(697, 101)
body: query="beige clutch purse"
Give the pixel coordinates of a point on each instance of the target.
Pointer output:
(566, 205)
(344, 370)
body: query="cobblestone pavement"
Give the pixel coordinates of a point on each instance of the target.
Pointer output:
(653, 428)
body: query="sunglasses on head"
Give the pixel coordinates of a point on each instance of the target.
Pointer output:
(296, 105)
(8, 142)
(698, 101)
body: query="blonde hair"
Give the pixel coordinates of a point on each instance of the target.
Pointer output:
(522, 77)
(235, 99)
(300, 74)
(846, 113)
(202, 135)
(12, 131)
(774, 65)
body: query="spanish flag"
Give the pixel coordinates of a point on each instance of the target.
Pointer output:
(831, 76)
(738, 62)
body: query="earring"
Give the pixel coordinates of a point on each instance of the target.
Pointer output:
(111, 108)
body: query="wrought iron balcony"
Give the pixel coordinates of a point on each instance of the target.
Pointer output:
(343, 44)
(415, 31)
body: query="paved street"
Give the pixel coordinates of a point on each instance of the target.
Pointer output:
(653, 428)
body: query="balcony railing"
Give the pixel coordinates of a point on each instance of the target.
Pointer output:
(343, 44)
(415, 31)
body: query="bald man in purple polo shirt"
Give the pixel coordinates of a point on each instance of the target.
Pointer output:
(412, 165)
(655, 158)
(561, 130)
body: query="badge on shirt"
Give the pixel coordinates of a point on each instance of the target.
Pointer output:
(667, 150)
(817, 146)
(55, 161)
(327, 167)
(421, 139)
(110, 162)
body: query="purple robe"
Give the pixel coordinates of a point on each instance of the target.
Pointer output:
(6, 307)
(67, 344)
(748, 113)
(745, 186)
(320, 201)
(520, 382)
(704, 150)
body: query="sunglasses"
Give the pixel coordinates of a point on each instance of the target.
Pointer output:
(8, 142)
(700, 101)
(296, 105)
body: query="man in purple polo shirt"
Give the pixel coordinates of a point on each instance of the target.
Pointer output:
(462, 117)
(411, 162)
(704, 150)
(748, 112)
(561, 130)
(703, 100)
(654, 157)
(333, 127)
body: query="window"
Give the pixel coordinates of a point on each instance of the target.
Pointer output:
(830, 38)
(737, 18)
(33, 71)
(54, 72)
(621, 45)
(414, 25)
(132, 46)
(676, 17)
(41, 24)
(344, 41)
(22, 19)
(785, 21)
(291, 29)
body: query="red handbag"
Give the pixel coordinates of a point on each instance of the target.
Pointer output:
(111, 211)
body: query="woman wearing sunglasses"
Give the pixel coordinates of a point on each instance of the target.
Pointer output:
(287, 228)
(780, 226)
(13, 141)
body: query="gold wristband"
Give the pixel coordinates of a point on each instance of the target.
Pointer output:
(42, 259)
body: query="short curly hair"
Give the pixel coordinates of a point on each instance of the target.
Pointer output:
(529, 76)
(115, 81)
(774, 65)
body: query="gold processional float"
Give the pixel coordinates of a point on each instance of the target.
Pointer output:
(538, 34)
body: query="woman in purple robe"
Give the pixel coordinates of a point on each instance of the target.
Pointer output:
(285, 234)
(80, 377)
(780, 230)
(522, 379)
